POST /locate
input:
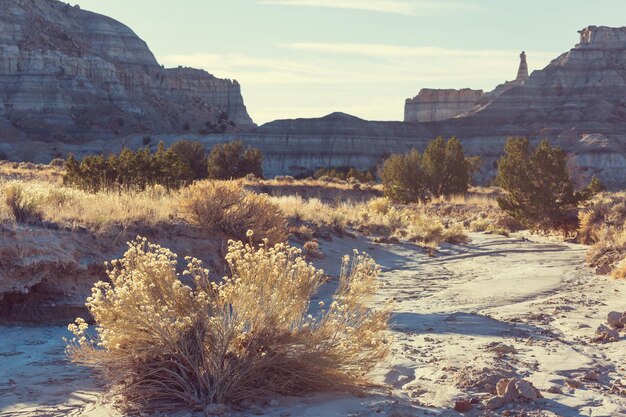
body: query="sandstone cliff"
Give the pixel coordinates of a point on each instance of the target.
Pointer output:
(432, 105)
(67, 74)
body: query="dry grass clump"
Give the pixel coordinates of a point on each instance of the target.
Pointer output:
(162, 345)
(603, 225)
(312, 250)
(430, 232)
(24, 205)
(227, 206)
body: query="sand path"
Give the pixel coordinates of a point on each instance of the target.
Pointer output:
(453, 314)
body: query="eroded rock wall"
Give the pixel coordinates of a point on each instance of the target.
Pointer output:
(432, 105)
(68, 74)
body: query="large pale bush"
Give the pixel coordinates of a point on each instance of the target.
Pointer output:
(228, 207)
(162, 345)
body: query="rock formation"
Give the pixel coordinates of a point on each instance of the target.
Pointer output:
(68, 74)
(577, 102)
(522, 72)
(432, 105)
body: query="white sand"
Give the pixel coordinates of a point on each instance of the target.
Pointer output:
(449, 312)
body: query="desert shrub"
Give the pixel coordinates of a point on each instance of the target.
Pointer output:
(312, 250)
(380, 205)
(428, 231)
(194, 155)
(455, 234)
(479, 225)
(442, 170)
(128, 170)
(603, 225)
(162, 345)
(446, 170)
(607, 212)
(345, 173)
(25, 206)
(228, 207)
(230, 160)
(403, 177)
(540, 192)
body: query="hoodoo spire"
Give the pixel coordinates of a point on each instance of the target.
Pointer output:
(522, 72)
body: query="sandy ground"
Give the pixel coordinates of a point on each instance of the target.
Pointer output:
(497, 307)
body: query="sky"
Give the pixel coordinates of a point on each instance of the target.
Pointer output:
(309, 58)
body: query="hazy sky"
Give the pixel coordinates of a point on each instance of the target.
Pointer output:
(308, 58)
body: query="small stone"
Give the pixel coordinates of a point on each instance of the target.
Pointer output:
(572, 383)
(274, 403)
(614, 320)
(526, 390)
(590, 376)
(214, 410)
(555, 390)
(462, 406)
(494, 403)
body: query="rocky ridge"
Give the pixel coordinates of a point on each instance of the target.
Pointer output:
(67, 75)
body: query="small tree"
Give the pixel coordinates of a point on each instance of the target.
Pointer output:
(193, 153)
(446, 169)
(540, 192)
(403, 177)
(231, 160)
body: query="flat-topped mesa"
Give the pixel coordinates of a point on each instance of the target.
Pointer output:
(432, 105)
(602, 37)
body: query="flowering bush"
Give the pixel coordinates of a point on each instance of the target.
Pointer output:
(161, 344)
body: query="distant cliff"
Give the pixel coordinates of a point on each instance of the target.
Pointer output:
(70, 75)
(432, 105)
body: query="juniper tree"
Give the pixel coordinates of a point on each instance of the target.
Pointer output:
(539, 189)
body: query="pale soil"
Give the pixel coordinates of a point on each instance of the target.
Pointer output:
(449, 312)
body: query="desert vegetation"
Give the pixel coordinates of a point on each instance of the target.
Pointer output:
(161, 344)
(172, 168)
(443, 170)
(603, 226)
(539, 190)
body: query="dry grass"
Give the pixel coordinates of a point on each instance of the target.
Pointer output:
(162, 345)
(96, 211)
(228, 207)
(603, 225)
(377, 217)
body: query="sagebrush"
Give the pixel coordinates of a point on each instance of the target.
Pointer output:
(228, 207)
(162, 345)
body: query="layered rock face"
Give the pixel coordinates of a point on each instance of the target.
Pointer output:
(68, 74)
(577, 101)
(432, 105)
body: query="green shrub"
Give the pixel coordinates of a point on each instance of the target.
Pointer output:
(193, 154)
(129, 170)
(539, 190)
(230, 160)
(403, 177)
(446, 169)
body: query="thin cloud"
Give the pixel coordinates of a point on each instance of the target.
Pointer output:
(402, 7)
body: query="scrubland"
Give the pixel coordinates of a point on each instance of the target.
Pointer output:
(285, 313)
